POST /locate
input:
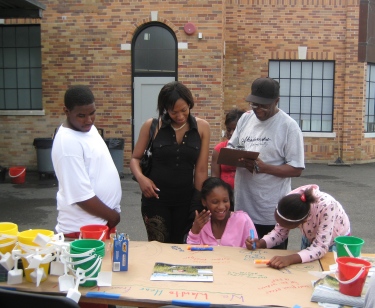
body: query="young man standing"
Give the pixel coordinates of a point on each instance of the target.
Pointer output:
(89, 184)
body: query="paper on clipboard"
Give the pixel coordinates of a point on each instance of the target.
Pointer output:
(228, 156)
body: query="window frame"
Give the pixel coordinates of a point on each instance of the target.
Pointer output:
(312, 111)
(369, 117)
(25, 51)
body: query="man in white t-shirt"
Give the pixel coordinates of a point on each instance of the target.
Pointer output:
(266, 129)
(89, 185)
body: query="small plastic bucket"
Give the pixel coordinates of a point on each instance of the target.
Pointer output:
(348, 246)
(97, 232)
(352, 273)
(81, 246)
(26, 238)
(8, 236)
(17, 174)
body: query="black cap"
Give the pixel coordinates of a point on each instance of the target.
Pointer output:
(264, 91)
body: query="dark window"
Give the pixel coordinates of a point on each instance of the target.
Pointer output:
(306, 92)
(370, 99)
(155, 51)
(20, 68)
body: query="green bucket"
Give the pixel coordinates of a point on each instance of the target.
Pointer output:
(348, 244)
(81, 246)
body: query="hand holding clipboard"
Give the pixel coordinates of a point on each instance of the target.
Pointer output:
(228, 156)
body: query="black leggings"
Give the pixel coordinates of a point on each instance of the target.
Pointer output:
(262, 230)
(166, 224)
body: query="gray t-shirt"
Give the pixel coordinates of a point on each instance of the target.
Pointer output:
(279, 141)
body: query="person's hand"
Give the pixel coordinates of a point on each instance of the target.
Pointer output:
(148, 188)
(258, 243)
(280, 262)
(200, 220)
(252, 165)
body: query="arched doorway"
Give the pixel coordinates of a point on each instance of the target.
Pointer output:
(154, 63)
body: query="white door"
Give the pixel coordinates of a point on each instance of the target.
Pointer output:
(146, 91)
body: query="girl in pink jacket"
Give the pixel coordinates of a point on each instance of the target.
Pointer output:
(217, 225)
(318, 215)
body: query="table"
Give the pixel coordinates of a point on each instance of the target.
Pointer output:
(237, 280)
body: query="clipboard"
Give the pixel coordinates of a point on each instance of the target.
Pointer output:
(228, 156)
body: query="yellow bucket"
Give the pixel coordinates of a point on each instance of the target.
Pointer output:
(8, 235)
(26, 238)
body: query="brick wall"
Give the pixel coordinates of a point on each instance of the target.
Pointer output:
(81, 44)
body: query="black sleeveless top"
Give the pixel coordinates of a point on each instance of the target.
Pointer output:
(173, 164)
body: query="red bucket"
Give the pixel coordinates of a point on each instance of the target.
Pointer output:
(97, 232)
(17, 174)
(352, 275)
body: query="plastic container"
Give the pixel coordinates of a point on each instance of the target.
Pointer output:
(347, 245)
(352, 273)
(80, 246)
(97, 232)
(43, 148)
(116, 149)
(8, 235)
(26, 238)
(3, 172)
(17, 174)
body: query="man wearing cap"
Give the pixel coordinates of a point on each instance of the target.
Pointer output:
(266, 129)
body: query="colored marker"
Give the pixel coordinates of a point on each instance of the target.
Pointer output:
(102, 295)
(186, 303)
(252, 237)
(201, 248)
(189, 247)
(257, 261)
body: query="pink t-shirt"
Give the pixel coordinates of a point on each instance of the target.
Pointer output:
(227, 173)
(235, 234)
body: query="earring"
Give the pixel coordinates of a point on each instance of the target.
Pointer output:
(164, 111)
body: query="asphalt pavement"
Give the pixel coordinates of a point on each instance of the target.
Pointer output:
(32, 205)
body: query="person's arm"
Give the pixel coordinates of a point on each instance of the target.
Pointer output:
(283, 171)
(201, 166)
(147, 186)
(284, 261)
(215, 167)
(96, 207)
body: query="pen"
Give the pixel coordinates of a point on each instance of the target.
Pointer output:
(252, 237)
(201, 248)
(187, 303)
(257, 261)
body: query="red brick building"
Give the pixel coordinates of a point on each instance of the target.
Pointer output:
(321, 51)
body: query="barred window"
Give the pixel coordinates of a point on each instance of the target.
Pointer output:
(306, 92)
(20, 67)
(370, 99)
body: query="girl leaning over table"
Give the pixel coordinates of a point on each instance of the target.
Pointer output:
(318, 215)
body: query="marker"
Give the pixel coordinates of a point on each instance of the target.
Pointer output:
(186, 303)
(102, 295)
(189, 247)
(201, 248)
(257, 261)
(252, 237)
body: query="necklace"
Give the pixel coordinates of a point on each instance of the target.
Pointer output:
(175, 129)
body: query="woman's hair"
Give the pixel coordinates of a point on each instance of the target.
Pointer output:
(293, 207)
(233, 115)
(172, 92)
(213, 182)
(78, 96)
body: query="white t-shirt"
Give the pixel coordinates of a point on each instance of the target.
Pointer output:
(279, 141)
(84, 168)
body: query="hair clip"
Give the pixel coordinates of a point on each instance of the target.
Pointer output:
(303, 197)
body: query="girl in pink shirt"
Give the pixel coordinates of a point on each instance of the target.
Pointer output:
(217, 225)
(318, 215)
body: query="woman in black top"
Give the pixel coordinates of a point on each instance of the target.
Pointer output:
(179, 165)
